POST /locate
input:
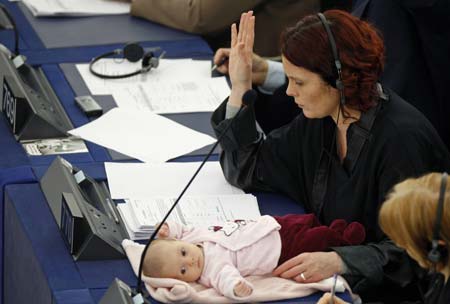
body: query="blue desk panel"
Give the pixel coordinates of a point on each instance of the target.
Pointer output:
(28, 37)
(60, 32)
(38, 265)
(193, 48)
(14, 168)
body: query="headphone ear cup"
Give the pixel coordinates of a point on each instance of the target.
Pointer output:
(149, 60)
(133, 52)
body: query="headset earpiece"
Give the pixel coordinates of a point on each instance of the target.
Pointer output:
(133, 52)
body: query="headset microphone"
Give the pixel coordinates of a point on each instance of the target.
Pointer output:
(247, 100)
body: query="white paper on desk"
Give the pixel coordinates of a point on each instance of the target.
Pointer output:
(183, 96)
(168, 70)
(137, 180)
(201, 211)
(77, 7)
(142, 135)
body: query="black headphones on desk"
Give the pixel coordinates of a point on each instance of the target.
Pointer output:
(438, 252)
(132, 52)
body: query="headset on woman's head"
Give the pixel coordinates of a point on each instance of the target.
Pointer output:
(438, 252)
(337, 61)
(133, 52)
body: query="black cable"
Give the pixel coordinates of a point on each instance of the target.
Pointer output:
(248, 97)
(16, 32)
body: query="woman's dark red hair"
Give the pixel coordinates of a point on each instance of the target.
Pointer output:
(360, 50)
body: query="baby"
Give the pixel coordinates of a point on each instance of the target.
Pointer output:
(221, 256)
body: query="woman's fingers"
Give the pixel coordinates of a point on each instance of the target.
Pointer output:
(242, 22)
(249, 30)
(233, 35)
(288, 265)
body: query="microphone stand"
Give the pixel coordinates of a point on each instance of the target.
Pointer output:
(247, 99)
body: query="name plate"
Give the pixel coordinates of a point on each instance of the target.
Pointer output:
(15, 107)
(9, 105)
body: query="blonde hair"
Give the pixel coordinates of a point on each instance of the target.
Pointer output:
(409, 214)
(155, 260)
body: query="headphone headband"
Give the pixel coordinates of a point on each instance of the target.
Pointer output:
(337, 61)
(434, 255)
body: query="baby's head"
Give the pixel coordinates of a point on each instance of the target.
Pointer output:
(168, 258)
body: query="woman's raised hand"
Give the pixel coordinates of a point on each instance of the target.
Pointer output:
(240, 60)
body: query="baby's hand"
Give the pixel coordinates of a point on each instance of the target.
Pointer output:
(164, 231)
(241, 289)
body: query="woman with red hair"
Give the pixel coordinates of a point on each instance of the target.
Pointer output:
(351, 143)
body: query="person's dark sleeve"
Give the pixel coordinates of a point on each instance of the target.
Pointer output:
(275, 110)
(402, 157)
(251, 162)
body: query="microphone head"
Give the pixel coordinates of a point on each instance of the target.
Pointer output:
(249, 97)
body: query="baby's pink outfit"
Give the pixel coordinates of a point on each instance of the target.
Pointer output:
(234, 251)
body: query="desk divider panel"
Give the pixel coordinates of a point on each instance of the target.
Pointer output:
(60, 32)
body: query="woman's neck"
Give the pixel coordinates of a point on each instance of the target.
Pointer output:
(351, 115)
(342, 127)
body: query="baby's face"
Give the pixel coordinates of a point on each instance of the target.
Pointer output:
(185, 261)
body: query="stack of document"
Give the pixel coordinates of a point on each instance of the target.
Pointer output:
(77, 7)
(150, 189)
(176, 86)
(141, 215)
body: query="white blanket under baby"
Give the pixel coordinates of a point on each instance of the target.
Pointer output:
(266, 288)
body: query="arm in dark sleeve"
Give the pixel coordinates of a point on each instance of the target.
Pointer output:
(194, 16)
(251, 162)
(275, 110)
(368, 265)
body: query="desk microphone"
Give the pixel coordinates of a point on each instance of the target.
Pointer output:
(117, 292)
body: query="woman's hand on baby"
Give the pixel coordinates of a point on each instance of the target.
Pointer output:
(164, 232)
(310, 267)
(325, 299)
(242, 289)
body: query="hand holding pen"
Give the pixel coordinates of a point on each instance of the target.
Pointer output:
(259, 65)
(330, 297)
(221, 61)
(333, 289)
